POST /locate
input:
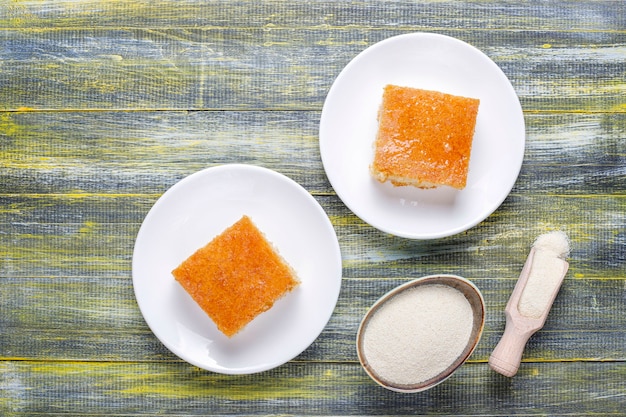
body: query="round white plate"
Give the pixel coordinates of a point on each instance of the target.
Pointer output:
(187, 217)
(349, 124)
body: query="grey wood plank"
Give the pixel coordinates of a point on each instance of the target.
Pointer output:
(254, 68)
(121, 152)
(33, 388)
(492, 15)
(87, 318)
(84, 247)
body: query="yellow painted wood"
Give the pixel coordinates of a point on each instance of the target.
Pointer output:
(106, 104)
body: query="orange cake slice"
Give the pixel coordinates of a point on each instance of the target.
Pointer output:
(236, 276)
(424, 138)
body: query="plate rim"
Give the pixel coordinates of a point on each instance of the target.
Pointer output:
(337, 259)
(464, 226)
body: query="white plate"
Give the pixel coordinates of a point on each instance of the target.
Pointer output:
(187, 217)
(348, 128)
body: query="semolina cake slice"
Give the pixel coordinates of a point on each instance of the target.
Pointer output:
(424, 138)
(236, 276)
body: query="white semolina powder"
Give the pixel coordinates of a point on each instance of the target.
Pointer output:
(546, 274)
(417, 334)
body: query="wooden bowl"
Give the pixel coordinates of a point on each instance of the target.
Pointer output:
(471, 294)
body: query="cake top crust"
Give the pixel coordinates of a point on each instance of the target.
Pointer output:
(424, 137)
(236, 276)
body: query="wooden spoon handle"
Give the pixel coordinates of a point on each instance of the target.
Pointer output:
(506, 357)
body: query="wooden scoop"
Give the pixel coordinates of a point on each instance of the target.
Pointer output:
(506, 357)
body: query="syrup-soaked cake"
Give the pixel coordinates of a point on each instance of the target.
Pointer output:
(236, 276)
(424, 138)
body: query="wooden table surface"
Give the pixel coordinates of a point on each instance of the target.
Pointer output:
(104, 105)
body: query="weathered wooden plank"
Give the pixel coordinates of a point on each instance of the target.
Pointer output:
(108, 304)
(147, 152)
(74, 152)
(87, 388)
(84, 246)
(88, 244)
(273, 68)
(495, 15)
(70, 319)
(335, 343)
